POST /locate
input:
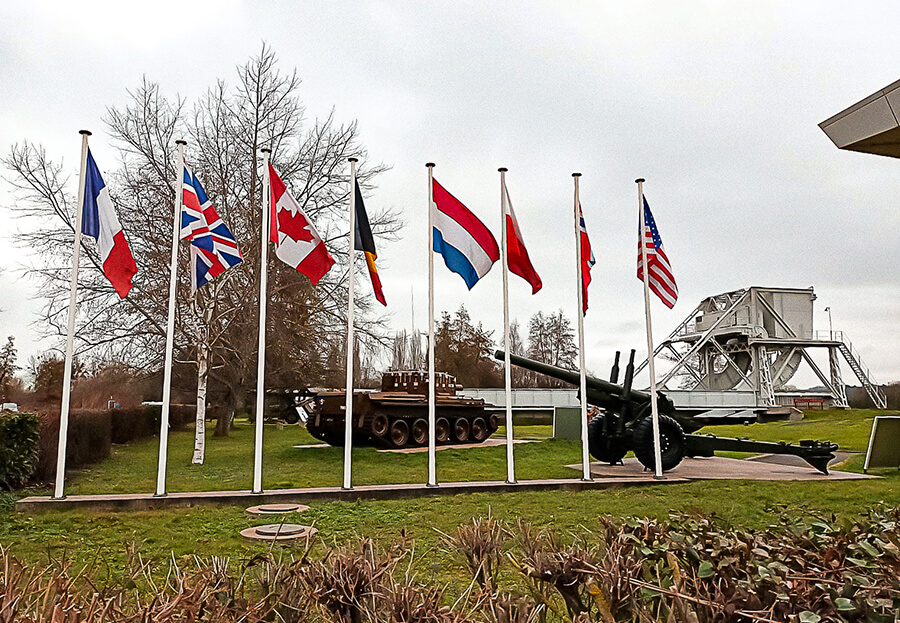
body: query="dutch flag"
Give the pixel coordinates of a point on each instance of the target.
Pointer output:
(468, 247)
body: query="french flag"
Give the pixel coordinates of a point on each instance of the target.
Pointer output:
(99, 220)
(468, 247)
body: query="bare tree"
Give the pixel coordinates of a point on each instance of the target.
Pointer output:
(215, 330)
(551, 340)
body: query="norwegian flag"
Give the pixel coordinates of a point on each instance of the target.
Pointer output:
(587, 260)
(659, 271)
(213, 248)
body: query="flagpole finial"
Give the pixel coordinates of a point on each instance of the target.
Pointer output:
(266, 150)
(639, 180)
(181, 142)
(576, 175)
(429, 165)
(503, 169)
(352, 159)
(85, 132)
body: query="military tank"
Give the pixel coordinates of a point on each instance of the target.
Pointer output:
(397, 416)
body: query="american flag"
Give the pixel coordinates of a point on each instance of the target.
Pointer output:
(587, 260)
(213, 247)
(660, 276)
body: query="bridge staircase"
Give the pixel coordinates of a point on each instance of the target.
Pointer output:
(845, 347)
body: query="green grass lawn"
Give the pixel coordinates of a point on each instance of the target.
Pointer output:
(214, 531)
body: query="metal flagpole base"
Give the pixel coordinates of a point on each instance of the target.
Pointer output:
(512, 482)
(587, 480)
(160, 495)
(62, 497)
(350, 488)
(256, 492)
(432, 485)
(655, 477)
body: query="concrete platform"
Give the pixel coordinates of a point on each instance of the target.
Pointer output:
(148, 501)
(605, 476)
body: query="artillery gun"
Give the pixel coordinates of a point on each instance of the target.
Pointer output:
(624, 423)
(397, 416)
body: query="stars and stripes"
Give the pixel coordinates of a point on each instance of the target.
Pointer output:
(213, 247)
(659, 272)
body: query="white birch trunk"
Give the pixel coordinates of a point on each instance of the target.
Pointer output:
(202, 379)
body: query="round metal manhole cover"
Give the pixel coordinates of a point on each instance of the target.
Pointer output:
(278, 532)
(277, 509)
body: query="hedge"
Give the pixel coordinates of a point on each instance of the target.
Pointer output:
(93, 431)
(18, 448)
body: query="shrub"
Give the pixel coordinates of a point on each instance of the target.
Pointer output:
(18, 448)
(132, 424)
(89, 440)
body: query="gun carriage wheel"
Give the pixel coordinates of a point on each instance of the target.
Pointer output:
(672, 442)
(602, 444)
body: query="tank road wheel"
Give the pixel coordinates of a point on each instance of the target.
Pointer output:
(461, 429)
(442, 430)
(399, 433)
(493, 422)
(419, 432)
(479, 429)
(671, 441)
(604, 447)
(380, 425)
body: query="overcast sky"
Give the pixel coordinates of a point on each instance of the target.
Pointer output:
(716, 104)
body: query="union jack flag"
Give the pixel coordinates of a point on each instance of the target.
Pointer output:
(587, 260)
(213, 248)
(659, 272)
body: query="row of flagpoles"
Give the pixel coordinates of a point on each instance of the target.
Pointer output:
(465, 243)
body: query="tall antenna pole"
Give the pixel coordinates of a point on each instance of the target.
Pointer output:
(507, 374)
(348, 389)
(432, 469)
(58, 492)
(654, 409)
(170, 324)
(263, 295)
(585, 456)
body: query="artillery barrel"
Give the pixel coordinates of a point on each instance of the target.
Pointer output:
(599, 391)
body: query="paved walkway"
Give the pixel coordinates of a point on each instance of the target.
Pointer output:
(762, 467)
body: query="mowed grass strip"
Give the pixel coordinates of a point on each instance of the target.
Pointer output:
(214, 531)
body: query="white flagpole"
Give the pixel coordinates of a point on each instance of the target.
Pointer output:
(261, 356)
(170, 324)
(432, 470)
(348, 408)
(507, 374)
(70, 334)
(654, 410)
(585, 456)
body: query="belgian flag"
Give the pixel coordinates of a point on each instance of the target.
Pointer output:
(366, 243)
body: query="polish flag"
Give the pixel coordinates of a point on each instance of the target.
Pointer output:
(516, 254)
(297, 243)
(99, 220)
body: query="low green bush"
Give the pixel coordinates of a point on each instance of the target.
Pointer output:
(18, 448)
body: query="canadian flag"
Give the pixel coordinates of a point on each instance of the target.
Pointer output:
(297, 243)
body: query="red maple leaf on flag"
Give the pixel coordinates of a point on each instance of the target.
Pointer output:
(294, 225)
